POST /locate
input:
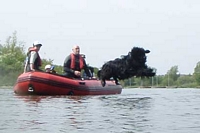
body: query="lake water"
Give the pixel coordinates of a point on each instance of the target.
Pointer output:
(133, 111)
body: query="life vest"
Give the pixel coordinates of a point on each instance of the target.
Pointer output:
(73, 62)
(38, 61)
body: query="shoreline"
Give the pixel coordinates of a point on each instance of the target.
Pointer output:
(6, 87)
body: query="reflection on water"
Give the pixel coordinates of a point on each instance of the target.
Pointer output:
(133, 111)
(35, 98)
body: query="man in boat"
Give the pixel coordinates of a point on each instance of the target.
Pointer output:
(74, 63)
(34, 61)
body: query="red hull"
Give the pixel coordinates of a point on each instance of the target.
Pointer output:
(41, 83)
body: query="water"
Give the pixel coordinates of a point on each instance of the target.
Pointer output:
(133, 111)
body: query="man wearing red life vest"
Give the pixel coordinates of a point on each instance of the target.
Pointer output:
(74, 63)
(34, 61)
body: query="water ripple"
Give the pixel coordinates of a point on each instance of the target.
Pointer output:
(133, 111)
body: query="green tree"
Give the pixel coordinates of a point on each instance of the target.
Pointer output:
(159, 81)
(174, 73)
(197, 73)
(172, 76)
(11, 55)
(185, 81)
(11, 60)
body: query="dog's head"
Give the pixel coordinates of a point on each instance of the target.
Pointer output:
(137, 56)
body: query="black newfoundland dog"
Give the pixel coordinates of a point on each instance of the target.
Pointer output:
(133, 64)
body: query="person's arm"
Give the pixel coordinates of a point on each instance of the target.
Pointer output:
(26, 64)
(32, 60)
(25, 67)
(67, 64)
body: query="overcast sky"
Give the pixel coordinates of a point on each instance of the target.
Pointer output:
(107, 29)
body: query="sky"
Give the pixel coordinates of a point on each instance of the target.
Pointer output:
(107, 29)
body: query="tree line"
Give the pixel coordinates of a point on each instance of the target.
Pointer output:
(13, 54)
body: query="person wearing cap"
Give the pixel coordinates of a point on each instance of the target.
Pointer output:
(49, 69)
(74, 63)
(34, 60)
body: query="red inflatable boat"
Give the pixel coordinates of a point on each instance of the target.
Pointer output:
(41, 83)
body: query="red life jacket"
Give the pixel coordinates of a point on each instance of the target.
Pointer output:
(81, 65)
(38, 59)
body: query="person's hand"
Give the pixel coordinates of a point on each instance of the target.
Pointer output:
(77, 73)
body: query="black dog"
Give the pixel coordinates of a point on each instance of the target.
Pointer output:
(128, 66)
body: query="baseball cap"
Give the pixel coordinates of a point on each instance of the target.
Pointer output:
(37, 43)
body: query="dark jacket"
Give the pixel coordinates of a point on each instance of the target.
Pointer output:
(69, 72)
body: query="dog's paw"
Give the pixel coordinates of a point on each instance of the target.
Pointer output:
(117, 83)
(103, 83)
